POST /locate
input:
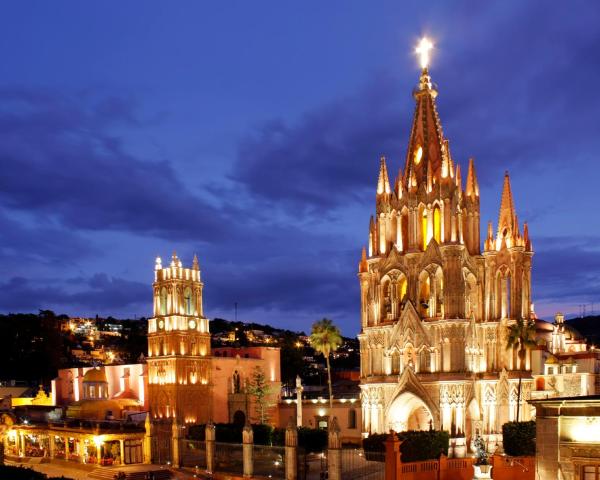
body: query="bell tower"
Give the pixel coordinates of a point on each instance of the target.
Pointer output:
(179, 358)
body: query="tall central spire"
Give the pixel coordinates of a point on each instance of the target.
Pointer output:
(427, 149)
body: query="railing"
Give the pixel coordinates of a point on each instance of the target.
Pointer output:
(193, 454)
(357, 465)
(229, 458)
(269, 461)
(503, 468)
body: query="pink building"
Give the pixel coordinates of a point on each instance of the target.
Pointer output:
(232, 371)
(125, 386)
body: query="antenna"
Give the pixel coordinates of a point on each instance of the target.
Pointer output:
(235, 307)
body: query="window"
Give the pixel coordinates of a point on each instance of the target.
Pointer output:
(352, 418)
(437, 225)
(163, 301)
(188, 302)
(590, 472)
(424, 229)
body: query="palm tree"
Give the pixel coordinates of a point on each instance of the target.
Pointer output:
(521, 335)
(325, 338)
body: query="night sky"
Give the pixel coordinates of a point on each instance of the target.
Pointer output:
(250, 133)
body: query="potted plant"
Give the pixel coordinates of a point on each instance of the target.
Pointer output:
(482, 466)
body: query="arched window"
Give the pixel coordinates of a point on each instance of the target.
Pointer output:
(424, 229)
(437, 225)
(163, 301)
(387, 300)
(352, 418)
(404, 230)
(424, 293)
(395, 362)
(188, 301)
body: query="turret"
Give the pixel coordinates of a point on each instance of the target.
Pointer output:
(472, 187)
(383, 183)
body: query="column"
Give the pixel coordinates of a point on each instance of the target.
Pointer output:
(122, 452)
(80, 450)
(291, 448)
(66, 442)
(247, 450)
(176, 435)
(209, 437)
(22, 449)
(298, 401)
(393, 464)
(334, 453)
(51, 445)
(147, 441)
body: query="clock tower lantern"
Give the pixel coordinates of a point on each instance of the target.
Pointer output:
(179, 358)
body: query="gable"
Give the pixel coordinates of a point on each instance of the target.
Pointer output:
(409, 328)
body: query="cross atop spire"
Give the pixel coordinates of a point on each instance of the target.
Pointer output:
(423, 49)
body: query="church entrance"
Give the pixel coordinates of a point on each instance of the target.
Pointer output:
(409, 412)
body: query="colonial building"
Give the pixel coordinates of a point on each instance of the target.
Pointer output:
(568, 438)
(435, 308)
(563, 364)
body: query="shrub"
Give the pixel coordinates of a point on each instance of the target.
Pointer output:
(20, 473)
(417, 445)
(519, 438)
(312, 440)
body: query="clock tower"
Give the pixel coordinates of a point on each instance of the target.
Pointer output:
(179, 359)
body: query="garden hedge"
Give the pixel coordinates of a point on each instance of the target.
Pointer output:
(518, 438)
(417, 445)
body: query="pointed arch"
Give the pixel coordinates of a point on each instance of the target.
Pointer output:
(411, 405)
(431, 291)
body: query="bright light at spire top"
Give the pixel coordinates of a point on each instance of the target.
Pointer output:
(422, 50)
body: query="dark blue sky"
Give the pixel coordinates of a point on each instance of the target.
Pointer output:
(250, 133)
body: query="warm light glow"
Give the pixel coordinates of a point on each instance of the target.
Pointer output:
(418, 155)
(98, 440)
(584, 430)
(422, 50)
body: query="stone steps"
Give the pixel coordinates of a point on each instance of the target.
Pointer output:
(137, 474)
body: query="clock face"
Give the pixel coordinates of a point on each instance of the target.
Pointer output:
(161, 324)
(192, 324)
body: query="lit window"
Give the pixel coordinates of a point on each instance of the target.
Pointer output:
(418, 155)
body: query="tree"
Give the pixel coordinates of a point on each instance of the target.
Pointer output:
(325, 338)
(521, 335)
(260, 389)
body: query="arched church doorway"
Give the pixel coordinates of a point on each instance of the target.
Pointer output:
(239, 418)
(409, 412)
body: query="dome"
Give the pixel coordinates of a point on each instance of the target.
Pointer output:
(95, 375)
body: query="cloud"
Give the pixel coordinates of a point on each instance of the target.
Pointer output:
(522, 113)
(99, 293)
(566, 270)
(329, 157)
(61, 161)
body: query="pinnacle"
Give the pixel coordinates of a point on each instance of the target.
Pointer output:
(363, 266)
(383, 184)
(472, 187)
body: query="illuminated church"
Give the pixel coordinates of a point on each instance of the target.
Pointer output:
(435, 308)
